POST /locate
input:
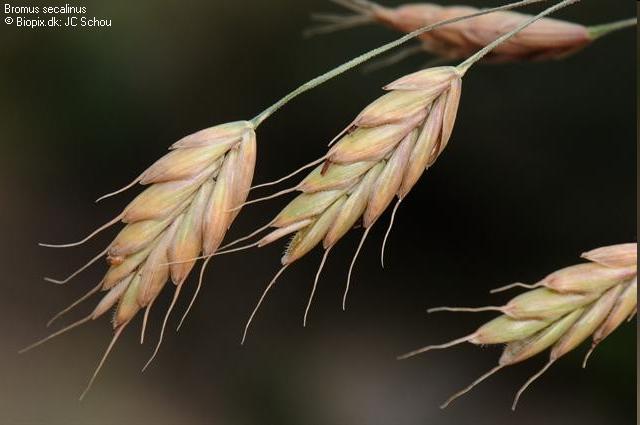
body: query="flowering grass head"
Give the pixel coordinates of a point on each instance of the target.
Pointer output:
(186, 209)
(558, 313)
(379, 157)
(545, 39)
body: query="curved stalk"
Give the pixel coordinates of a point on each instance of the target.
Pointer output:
(379, 50)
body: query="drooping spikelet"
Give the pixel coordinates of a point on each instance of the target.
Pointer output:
(380, 156)
(185, 210)
(565, 308)
(545, 39)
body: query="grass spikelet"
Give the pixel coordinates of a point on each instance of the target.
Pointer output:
(560, 318)
(185, 210)
(545, 39)
(388, 146)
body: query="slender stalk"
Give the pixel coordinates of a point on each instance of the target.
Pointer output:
(384, 48)
(598, 31)
(464, 66)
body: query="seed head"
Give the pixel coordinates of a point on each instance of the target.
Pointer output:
(565, 308)
(545, 39)
(189, 204)
(379, 157)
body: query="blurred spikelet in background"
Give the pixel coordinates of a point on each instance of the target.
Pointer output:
(545, 39)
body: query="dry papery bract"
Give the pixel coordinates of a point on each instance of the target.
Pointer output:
(559, 312)
(379, 156)
(545, 39)
(186, 210)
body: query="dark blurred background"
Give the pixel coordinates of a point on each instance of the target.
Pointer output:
(540, 168)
